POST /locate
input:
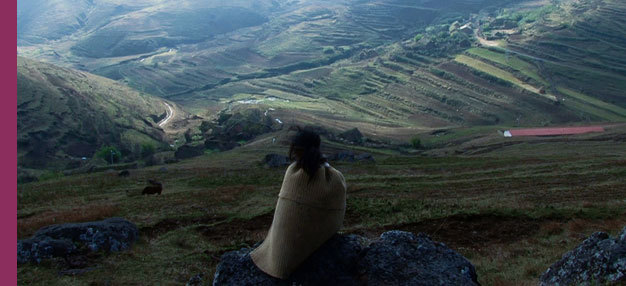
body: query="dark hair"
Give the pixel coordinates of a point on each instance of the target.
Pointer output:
(307, 144)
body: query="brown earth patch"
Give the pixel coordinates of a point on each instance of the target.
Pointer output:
(29, 224)
(479, 233)
(167, 225)
(467, 231)
(238, 231)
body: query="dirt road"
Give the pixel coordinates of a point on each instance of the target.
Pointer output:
(170, 114)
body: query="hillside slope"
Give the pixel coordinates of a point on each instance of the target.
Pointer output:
(64, 115)
(392, 68)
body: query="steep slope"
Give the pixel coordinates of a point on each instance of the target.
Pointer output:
(65, 114)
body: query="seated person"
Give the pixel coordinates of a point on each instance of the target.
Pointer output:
(310, 209)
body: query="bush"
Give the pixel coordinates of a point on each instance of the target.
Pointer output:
(50, 175)
(109, 154)
(416, 142)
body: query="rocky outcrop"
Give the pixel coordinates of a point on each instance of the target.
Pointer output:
(599, 260)
(349, 156)
(62, 240)
(353, 136)
(345, 155)
(397, 258)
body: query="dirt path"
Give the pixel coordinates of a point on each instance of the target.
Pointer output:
(486, 42)
(170, 114)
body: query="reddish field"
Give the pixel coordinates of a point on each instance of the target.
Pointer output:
(556, 131)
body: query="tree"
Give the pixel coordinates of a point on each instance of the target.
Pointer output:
(147, 150)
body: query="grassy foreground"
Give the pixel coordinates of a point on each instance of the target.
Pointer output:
(512, 209)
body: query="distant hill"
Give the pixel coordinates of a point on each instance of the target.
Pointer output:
(392, 68)
(64, 114)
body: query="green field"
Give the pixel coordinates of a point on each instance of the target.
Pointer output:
(512, 210)
(511, 61)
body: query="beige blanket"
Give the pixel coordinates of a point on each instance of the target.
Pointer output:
(307, 214)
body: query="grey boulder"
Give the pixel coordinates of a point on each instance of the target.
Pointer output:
(62, 240)
(397, 258)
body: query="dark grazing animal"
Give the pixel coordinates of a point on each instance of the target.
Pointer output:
(124, 173)
(155, 188)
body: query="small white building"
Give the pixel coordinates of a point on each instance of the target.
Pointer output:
(467, 28)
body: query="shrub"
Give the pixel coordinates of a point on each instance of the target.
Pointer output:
(147, 150)
(109, 154)
(416, 142)
(50, 175)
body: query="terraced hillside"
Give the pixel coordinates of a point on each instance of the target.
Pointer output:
(579, 50)
(65, 114)
(393, 68)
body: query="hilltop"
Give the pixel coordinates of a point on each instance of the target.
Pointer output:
(512, 206)
(64, 115)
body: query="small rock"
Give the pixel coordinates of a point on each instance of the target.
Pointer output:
(276, 160)
(344, 155)
(196, 280)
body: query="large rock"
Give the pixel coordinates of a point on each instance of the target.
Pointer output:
(221, 145)
(353, 136)
(599, 260)
(61, 240)
(402, 258)
(188, 151)
(397, 258)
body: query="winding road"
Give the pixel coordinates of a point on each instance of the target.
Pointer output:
(170, 114)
